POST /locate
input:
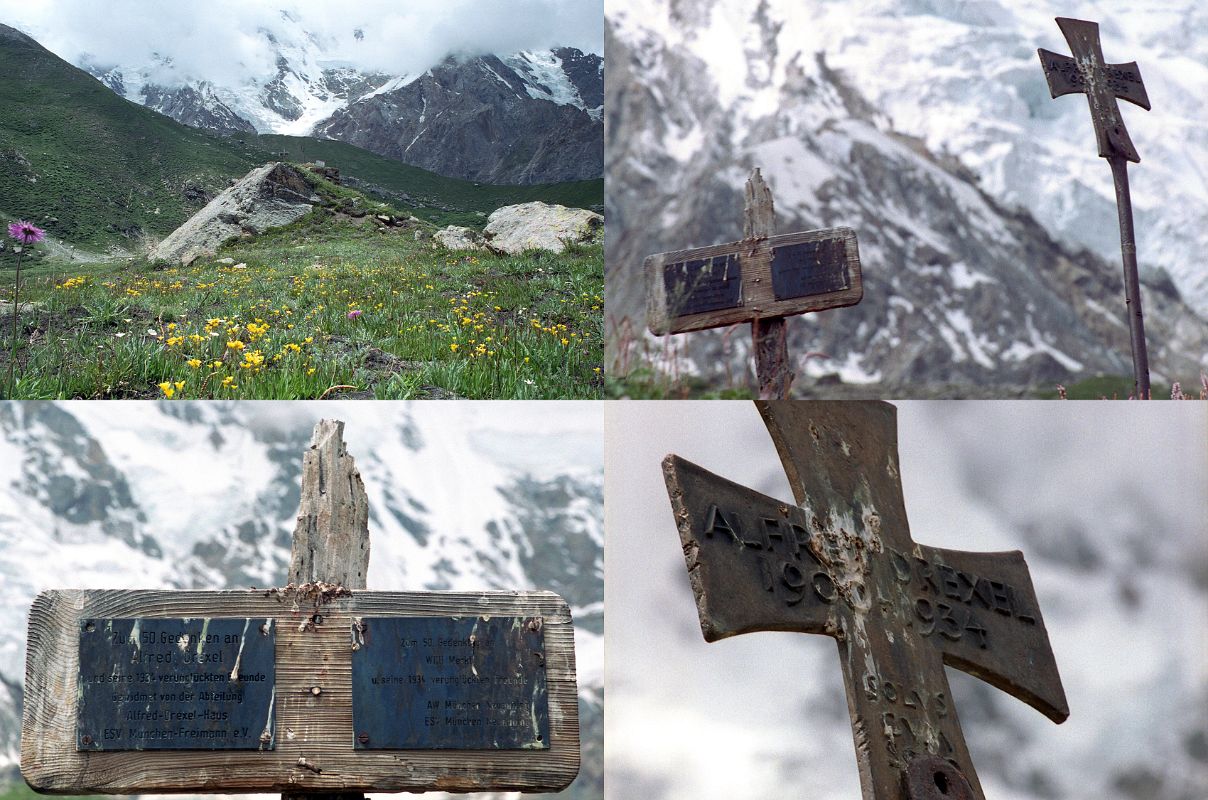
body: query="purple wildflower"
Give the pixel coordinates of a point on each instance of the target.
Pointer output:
(356, 312)
(26, 232)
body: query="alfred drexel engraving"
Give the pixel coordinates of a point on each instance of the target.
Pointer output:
(176, 684)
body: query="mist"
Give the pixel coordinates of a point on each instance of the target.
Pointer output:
(223, 40)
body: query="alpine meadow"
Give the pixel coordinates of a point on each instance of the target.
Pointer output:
(468, 264)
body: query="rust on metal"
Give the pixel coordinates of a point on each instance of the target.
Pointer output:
(933, 778)
(1102, 83)
(1088, 73)
(840, 561)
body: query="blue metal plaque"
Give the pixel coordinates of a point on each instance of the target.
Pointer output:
(458, 683)
(810, 268)
(176, 684)
(703, 284)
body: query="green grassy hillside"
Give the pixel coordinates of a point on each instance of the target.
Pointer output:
(444, 201)
(96, 170)
(90, 167)
(338, 304)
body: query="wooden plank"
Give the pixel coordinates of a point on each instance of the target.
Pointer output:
(758, 295)
(314, 734)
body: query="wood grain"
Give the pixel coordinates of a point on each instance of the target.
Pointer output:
(758, 297)
(316, 729)
(331, 538)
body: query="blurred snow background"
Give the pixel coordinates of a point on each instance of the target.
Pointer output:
(1109, 503)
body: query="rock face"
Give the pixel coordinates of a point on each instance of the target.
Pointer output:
(530, 118)
(455, 237)
(540, 226)
(267, 197)
(197, 106)
(959, 290)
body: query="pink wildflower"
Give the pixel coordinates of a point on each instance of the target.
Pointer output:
(25, 232)
(356, 312)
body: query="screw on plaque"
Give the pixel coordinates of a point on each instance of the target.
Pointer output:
(933, 778)
(363, 738)
(89, 626)
(85, 740)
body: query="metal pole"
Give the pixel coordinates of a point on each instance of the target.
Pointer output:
(1132, 283)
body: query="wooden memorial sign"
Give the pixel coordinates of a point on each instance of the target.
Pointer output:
(780, 276)
(315, 687)
(841, 562)
(761, 279)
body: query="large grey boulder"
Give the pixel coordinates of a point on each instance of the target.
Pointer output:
(267, 197)
(540, 226)
(455, 237)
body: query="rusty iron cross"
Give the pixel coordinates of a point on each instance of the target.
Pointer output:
(841, 562)
(1103, 83)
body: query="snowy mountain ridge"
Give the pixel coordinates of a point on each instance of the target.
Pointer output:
(965, 79)
(305, 85)
(963, 288)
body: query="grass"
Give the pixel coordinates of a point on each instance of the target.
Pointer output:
(1116, 387)
(643, 371)
(19, 790)
(97, 171)
(435, 198)
(282, 321)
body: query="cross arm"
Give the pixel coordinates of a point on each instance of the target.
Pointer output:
(748, 558)
(980, 610)
(1064, 77)
(1102, 83)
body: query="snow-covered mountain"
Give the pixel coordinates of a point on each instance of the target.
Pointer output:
(462, 496)
(528, 117)
(927, 127)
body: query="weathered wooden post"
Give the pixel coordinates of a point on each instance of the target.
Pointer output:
(331, 537)
(1102, 83)
(317, 687)
(841, 562)
(761, 279)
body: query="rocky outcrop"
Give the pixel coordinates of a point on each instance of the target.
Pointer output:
(486, 119)
(455, 237)
(962, 296)
(267, 197)
(540, 226)
(199, 107)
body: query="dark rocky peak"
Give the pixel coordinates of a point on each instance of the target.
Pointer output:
(198, 107)
(586, 72)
